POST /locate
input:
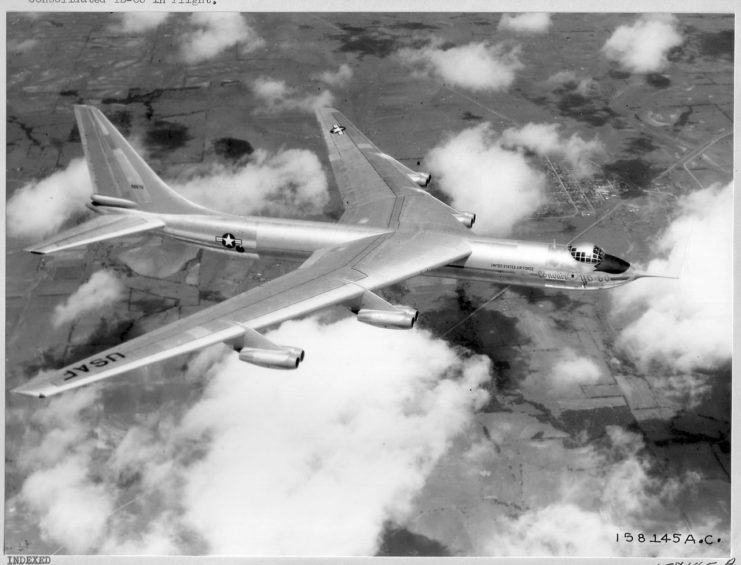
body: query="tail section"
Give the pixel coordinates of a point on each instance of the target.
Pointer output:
(119, 173)
(124, 186)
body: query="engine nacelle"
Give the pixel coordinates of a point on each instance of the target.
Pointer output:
(466, 218)
(422, 179)
(284, 358)
(401, 319)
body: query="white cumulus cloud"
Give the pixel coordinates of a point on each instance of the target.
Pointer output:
(483, 177)
(569, 370)
(16, 46)
(584, 86)
(603, 490)
(343, 444)
(309, 462)
(338, 78)
(685, 324)
(476, 66)
(41, 207)
(531, 22)
(139, 22)
(71, 507)
(99, 291)
(290, 181)
(546, 140)
(277, 96)
(643, 46)
(215, 32)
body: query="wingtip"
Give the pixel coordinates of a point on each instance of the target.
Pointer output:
(25, 390)
(40, 386)
(35, 250)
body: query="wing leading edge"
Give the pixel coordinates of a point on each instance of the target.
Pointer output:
(338, 275)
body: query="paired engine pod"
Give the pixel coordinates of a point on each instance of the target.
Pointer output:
(466, 218)
(402, 319)
(422, 179)
(284, 358)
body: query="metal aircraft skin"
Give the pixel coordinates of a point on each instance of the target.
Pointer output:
(391, 230)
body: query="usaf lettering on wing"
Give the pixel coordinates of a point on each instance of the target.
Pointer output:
(96, 364)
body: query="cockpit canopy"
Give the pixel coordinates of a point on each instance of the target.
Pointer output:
(587, 253)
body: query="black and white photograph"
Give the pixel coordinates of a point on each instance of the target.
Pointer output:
(367, 282)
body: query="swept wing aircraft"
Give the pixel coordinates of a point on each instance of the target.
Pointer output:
(391, 230)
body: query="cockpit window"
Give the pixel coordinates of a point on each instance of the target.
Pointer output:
(587, 253)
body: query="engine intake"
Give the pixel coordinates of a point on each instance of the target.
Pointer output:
(401, 319)
(284, 358)
(422, 179)
(466, 218)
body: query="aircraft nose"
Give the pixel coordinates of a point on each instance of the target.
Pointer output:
(613, 265)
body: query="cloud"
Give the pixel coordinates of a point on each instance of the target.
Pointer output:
(99, 291)
(604, 489)
(583, 86)
(643, 47)
(546, 140)
(277, 96)
(310, 462)
(217, 31)
(569, 371)
(476, 66)
(41, 207)
(686, 324)
(71, 506)
(15, 46)
(338, 454)
(139, 22)
(483, 177)
(531, 22)
(339, 78)
(290, 181)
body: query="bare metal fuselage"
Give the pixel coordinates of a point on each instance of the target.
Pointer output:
(501, 261)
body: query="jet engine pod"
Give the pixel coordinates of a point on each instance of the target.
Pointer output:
(284, 358)
(422, 179)
(402, 319)
(466, 218)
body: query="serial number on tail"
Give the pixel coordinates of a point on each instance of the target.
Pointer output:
(93, 364)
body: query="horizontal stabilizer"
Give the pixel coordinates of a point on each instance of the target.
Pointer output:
(97, 229)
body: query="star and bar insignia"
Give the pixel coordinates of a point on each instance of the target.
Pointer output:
(228, 240)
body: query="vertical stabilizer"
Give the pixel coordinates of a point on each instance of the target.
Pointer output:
(118, 171)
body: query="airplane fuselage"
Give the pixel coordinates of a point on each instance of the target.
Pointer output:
(500, 261)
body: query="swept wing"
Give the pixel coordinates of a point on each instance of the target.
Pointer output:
(328, 277)
(376, 189)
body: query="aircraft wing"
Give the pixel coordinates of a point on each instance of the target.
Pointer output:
(330, 276)
(376, 189)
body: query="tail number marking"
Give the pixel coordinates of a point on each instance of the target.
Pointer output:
(93, 364)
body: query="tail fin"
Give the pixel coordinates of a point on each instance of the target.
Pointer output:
(118, 172)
